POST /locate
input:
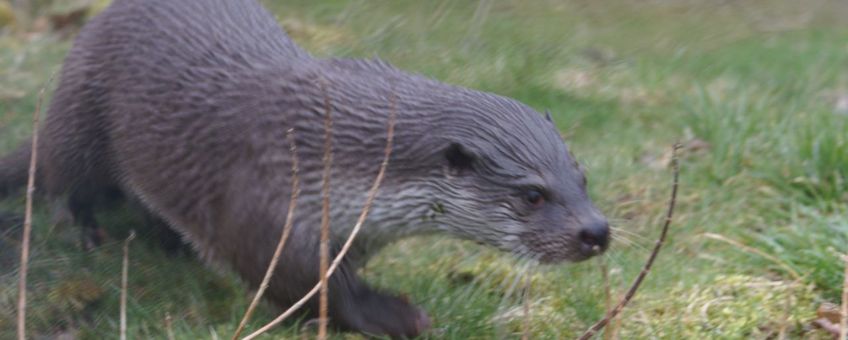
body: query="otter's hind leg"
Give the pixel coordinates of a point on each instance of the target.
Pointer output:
(74, 148)
(81, 203)
(170, 241)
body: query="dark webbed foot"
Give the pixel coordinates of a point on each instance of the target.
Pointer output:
(170, 241)
(92, 238)
(375, 313)
(81, 205)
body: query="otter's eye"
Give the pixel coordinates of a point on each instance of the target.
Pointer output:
(535, 198)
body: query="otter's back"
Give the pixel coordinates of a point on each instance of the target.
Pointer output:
(185, 33)
(164, 81)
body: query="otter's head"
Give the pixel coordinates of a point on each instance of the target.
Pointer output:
(479, 166)
(507, 179)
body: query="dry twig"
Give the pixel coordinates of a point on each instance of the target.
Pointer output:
(168, 327)
(372, 193)
(638, 281)
(828, 318)
(283, 237)
(843, 324)
(22, 279)
(124, 277)
(325, 214)
(827, 326)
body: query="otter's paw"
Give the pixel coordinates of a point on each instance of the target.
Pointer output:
(383, 315)
(92, 238)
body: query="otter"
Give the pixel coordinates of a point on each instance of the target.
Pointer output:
(185, 105)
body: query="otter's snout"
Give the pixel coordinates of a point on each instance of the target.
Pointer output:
(594, 237)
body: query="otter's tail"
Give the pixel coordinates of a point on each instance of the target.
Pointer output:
(14, 169)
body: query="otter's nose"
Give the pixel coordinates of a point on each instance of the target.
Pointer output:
(594, 237)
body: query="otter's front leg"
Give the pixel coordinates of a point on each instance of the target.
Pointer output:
(355, 306)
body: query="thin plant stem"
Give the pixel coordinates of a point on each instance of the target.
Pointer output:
(283, 237)
(843, 324)
(124, 281)
(324, 249)
(169, 329)
(657, 246)
(527, 301)
(608, 333)
(356, 228)
(24, 267)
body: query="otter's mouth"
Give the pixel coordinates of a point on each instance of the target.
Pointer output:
(572, 257)
(553, 250)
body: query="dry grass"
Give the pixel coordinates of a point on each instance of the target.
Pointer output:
(283, 237)
(372, 193)
(169, 328)
(608, 333)
(22, 280)
(325, 215)
(843, 324)
(124, 281)
(528, 283)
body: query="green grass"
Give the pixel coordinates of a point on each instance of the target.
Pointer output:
(624, 80)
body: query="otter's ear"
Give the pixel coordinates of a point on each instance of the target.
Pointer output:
(459, 158)
(548, 116)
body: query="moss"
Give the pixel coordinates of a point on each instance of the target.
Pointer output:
(730, 307)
